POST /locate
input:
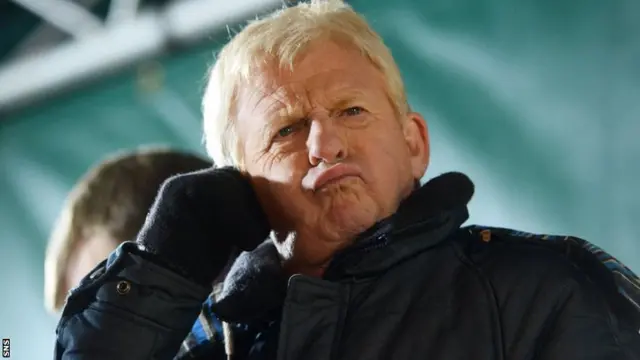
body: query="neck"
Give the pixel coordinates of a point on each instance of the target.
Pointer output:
(291, 268)
(312, 254)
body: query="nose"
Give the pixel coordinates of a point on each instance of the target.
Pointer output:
(325, 143)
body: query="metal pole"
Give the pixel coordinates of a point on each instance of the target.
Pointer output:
(65, 15)
(147, 35)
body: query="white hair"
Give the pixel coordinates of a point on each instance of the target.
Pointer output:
(281, 37)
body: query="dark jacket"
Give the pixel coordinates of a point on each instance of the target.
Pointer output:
(415, 286)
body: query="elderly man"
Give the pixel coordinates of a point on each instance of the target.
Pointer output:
(306, 111)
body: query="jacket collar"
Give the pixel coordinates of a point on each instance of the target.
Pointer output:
(256, 285)
(423, 220)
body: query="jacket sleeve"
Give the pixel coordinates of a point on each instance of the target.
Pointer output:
(586, 327)
(128, 308)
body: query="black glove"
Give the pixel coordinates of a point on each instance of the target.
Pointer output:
(199, 219)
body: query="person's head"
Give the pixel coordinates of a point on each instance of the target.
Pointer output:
(304, 90)
(105, 208)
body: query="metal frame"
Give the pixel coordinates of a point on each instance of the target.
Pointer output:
(128, 36)
(67, 16)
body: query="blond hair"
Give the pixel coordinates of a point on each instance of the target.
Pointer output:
(282, 36)
(112, 199)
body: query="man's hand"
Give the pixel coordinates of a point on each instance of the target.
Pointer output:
(199, 218)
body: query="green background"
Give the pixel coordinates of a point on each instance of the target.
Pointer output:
(537, 101)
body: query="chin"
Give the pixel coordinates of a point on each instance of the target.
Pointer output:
(348, 210)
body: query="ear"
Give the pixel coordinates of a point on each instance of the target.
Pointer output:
(417, 139)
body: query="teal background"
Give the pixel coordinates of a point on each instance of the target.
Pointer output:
(537, 101)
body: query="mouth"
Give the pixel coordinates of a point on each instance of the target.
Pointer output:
(335, 174)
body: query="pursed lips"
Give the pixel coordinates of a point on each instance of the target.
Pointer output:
(333, 174)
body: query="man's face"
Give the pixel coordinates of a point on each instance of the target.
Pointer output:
(328, 153)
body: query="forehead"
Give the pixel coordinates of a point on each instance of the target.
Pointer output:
(326, 71)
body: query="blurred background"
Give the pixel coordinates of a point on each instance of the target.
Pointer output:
(537, 101)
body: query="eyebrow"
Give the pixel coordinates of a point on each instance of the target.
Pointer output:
(347, 96)
(348, 99)
(343, 103)
(280, 115)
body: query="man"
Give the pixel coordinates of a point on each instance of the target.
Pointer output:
(322, 153)
(105, 208)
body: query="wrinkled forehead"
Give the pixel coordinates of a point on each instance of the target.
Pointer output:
(288, 93)
(272, 90)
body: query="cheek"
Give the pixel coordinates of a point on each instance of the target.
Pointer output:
(278, 183)
(387, 163)
(286, 170)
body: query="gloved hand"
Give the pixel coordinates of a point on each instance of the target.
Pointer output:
(199, 219)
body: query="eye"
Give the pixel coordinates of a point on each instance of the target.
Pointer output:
(286, 131)
(291, 129)
(353, 111)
